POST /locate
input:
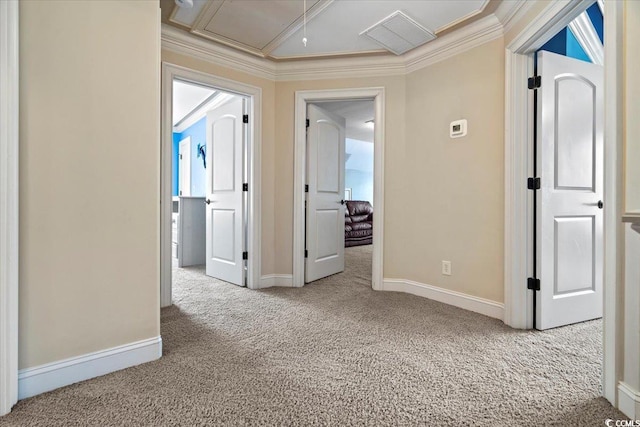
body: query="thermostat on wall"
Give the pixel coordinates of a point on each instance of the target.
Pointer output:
(458, 129)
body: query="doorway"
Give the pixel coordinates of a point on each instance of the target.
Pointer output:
(519, 162)
(339, 204)
(209, 216)
(304, 100)
(222, 127)
(568, 179)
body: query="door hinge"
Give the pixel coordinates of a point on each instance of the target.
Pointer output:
(533, 183)
(245, 187)
(306, 253)
(534, 82)
(245, 118)
(533, 284)
(306, 188)
(245, 255)
(307, 123)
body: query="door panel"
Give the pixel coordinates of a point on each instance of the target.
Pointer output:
(570, 160)
(576, 137)
(326, 222)
(324, 201)
(224, 141)
(223, 226)
(225, 208)
(328, 170)
(574, 260)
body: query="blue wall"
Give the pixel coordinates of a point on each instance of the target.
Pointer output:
(359, 169)
(574, 49)
(565, 43)
(198, 134)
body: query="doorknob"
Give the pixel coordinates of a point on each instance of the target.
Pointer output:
(342, 202)
(600, 204)
(207, 201)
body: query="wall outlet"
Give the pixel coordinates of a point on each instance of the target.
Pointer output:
(446, 268)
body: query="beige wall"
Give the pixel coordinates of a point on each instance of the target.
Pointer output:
(89, 177)
(268, 212)
(454, 208)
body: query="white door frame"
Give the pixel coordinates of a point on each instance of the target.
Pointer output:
(9, 123)
(519, 160)
(254, 95)
(302, 98)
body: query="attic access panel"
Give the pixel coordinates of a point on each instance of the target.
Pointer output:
(398, 33)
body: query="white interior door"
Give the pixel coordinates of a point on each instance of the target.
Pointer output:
(325, 196)
(224, 196)
(184, 167)
(569, 203)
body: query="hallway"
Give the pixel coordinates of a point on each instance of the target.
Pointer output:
(336, 352)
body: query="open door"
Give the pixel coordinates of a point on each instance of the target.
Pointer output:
(325, 195)
(224, 193)
(184, 167)
(569, 202)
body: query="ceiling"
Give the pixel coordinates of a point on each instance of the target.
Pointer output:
(356, 114)
(187, 97)
(274, 29)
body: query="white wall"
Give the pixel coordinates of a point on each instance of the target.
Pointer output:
(359, 169)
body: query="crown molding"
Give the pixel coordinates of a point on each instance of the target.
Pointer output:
(462, 18)
(510, 12)
(181, 42)
(336, 68)
(587, 36)
(473, 35)
(482, 31)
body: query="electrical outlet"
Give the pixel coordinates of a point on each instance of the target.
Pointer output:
(446, 268)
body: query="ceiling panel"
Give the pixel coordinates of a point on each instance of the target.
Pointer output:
(254, 23)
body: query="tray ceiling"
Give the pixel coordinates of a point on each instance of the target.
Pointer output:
(187, 97)
(274, 28)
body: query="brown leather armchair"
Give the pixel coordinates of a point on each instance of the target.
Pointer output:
(358, 223)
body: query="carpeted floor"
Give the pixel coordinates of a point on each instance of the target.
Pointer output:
(337, 353)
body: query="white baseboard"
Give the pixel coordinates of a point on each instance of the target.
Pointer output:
(43, 378)
(458, 299)
(628, 401)
(270, 280)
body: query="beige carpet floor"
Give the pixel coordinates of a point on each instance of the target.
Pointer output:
(337, 353)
